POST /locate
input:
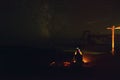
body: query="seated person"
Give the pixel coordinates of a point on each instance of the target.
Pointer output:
(77, 56)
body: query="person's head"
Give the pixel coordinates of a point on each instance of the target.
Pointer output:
(77, 48)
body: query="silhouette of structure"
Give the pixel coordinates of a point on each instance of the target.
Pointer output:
(113, 34)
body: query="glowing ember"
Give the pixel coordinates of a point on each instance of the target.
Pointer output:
(52, 63)
(66, 64)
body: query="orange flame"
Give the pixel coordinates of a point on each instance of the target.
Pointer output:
(86, 60)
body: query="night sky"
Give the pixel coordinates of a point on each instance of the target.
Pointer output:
(26, 22)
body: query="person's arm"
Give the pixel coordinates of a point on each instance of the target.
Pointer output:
(79, 51)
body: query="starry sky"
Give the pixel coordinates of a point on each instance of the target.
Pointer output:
(33, 21)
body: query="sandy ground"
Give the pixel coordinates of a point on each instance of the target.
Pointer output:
(100, 67)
